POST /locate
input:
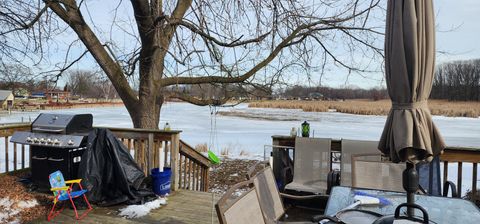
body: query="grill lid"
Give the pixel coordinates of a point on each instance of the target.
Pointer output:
(63, 123)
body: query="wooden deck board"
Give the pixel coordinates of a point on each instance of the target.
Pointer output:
(183, 207)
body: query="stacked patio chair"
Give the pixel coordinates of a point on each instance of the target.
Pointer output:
(351, 148)
(312, 160)
(268, 194)
(245, 209)
(382, 175)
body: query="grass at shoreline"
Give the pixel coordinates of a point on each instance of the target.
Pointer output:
(369, 107)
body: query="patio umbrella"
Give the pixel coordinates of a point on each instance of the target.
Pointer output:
(410, 134)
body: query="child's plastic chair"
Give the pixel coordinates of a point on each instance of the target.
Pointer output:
(62, 192)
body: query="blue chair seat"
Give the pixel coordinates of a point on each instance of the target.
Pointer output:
(74, 194)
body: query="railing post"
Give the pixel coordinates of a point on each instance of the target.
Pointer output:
(174, 153)
(150, 153)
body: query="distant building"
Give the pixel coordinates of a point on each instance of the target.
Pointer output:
(37, 95)
(6, 99)
(57, 94)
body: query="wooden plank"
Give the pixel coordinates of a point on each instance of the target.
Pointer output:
(189, 151)
(461, 156)
(459, 179)
(174, 151)
(474, 180)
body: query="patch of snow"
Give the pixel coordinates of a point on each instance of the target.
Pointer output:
(136, 211)
(9, 208)
(27, 204)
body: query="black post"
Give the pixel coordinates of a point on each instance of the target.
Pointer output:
(410, 184)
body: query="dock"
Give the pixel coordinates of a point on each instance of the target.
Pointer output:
(183, 206)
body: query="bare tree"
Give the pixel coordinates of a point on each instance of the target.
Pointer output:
(13, 76)
(457, 80)
(185, 42)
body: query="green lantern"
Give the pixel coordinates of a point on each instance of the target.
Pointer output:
(305, 129)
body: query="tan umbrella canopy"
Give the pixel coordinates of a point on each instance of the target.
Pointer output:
(409, 133)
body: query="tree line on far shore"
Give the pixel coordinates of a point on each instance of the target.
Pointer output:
(454, 81)
(457, 81)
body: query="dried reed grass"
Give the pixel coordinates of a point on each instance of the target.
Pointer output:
(369, 107)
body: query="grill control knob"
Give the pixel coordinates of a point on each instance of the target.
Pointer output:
(49, 141)
(42, 140)
(70, 142)
(29, 139)
(56, 142)
(35, 140)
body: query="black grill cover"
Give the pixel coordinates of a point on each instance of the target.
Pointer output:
(110, 173)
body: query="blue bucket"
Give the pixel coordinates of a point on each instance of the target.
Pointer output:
(161, 181)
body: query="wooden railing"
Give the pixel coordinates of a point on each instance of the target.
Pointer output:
(459, 156)
(452, 155)
(193, 169)
(5, 146)
(149, 148)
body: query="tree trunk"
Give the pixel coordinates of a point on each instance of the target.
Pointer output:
(147, 117)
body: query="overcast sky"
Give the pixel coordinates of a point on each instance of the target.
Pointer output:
(458, 37)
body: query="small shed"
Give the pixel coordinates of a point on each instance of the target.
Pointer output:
(6, 99)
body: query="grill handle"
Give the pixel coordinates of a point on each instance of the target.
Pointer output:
(48, 130)
(55, 160)
(39, 158)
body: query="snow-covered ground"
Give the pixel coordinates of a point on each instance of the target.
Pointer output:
(10, 208)
(250, 132)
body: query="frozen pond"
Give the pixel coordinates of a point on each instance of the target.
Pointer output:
(254, 128)
(250, 134)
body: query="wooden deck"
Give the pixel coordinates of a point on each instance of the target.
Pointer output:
(183, 207)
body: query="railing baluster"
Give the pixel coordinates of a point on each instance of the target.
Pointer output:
(23, 156)
(190, 174)
(445, 171)
(459, 179)
(6, 153)
(474, 180)
(14, 156)
(185, 162)
(180, 171)
(150, 153)
(166, 153)
(198, 177)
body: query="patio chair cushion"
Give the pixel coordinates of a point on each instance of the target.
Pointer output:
(312, 187)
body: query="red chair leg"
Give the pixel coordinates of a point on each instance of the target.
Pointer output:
(73, 204)
(54, 213)
(75, 208)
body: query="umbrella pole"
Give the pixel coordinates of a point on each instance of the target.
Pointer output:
(410, 184)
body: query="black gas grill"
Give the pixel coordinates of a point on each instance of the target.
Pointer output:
(57, 142)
